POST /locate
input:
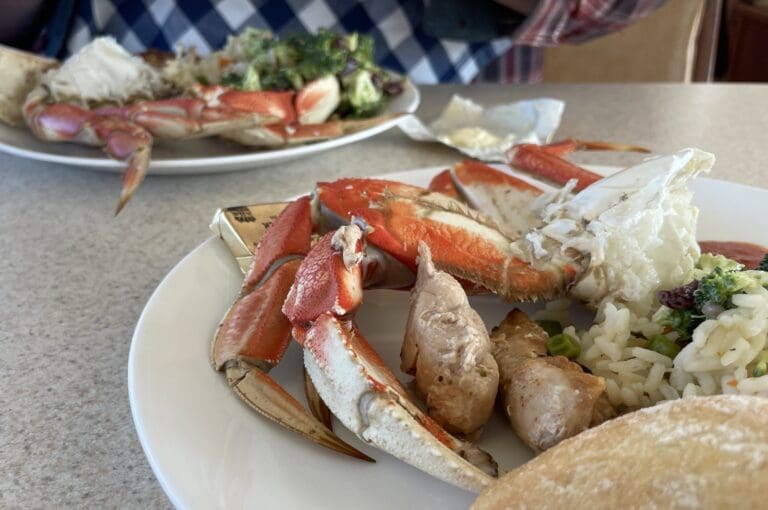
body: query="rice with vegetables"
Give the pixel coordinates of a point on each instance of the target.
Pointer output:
(708, 337)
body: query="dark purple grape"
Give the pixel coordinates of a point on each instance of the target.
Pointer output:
(349, 67)
(680, 298)
(393, 88)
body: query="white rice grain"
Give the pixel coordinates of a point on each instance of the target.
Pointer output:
(651, 356)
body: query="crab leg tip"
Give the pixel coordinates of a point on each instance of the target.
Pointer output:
(265, 396)
(316, 405)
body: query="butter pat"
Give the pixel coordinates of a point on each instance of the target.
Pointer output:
(488, 133)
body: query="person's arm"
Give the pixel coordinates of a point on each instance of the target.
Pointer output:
(19, 17)
(521, 6)
(552, 22)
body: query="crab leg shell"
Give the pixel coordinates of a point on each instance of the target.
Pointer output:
(507, 199)
(443, 183)
(463, 243)
(565, 147)
(268, 104)
(532, 158)
(269, 399)
(184, 118)
(316, 405)
(341, 197)
(326, 282)
(546, 160)
(120, 138)
(254, 330)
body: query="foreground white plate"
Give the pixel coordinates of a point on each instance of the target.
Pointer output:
(209, 450)
(202, 156)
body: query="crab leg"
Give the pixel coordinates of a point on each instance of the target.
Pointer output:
(354, 381)
(463, 242)
(546, 160)
(184, 118)
(510, 201)
(254, 334)
(67, 122)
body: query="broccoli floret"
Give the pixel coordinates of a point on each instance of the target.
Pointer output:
(282, 79)
(320, 54)
(251, 80)
(681, 321)
(285, 55)
(229, 80)
(718, 287)
(351, 41)
(360, 96)
(708, 262)
(363, 52)
(258, 45)
(763, 266)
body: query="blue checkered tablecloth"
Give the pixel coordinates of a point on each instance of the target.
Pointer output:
(396, 26)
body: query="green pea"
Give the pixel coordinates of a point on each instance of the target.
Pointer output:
(663, 345)
(761, 368)
(551, 327)
(563, 345)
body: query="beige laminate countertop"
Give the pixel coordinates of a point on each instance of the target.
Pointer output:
(74, 279)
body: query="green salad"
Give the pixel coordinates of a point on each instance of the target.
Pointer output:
(265, 62)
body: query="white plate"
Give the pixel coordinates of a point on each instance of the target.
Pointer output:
(202, 156)
(209, 450)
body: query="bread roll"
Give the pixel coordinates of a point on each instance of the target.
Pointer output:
(21, 72)
(703, 452)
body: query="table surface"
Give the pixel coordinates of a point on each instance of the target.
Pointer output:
(74, 279)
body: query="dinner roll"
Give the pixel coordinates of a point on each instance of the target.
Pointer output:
(702, 452)
(20, 71)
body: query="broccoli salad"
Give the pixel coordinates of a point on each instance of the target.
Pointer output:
(256, 60)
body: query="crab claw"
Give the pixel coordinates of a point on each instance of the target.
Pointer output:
(367, 398)
(254, 334)
(354, 381)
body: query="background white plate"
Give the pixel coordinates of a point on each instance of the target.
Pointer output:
(202, 156)
(209, 450)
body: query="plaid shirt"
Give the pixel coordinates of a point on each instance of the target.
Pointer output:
(401, 42)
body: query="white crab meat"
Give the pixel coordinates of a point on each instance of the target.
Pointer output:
(103, 71)
(637, 227)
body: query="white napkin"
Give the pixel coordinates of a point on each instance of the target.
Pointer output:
(487, 133)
